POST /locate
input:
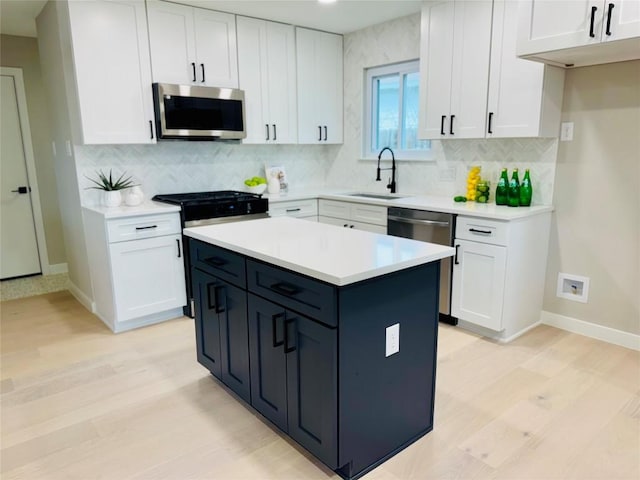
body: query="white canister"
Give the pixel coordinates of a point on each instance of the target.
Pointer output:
(134, 196)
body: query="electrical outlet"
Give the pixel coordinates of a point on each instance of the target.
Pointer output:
(392, 343)
(566, 131)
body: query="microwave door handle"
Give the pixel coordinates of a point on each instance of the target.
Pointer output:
(202, 66)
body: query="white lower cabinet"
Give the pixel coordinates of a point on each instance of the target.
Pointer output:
(307, 209)
(478, 283)
(361, 216)
(499, 274)
(137, 268)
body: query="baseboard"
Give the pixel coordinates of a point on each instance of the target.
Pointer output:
(592, 330)
(81, 297)
(57, 269)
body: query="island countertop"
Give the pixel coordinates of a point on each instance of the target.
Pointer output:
(326, 252)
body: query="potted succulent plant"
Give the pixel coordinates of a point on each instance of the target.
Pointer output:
(112, 197)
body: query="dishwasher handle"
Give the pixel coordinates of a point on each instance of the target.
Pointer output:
(414, 221)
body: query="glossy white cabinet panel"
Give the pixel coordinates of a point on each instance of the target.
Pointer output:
(295, 208)
(267, 74)
(192, 46)
(320, 86)
(112, 71)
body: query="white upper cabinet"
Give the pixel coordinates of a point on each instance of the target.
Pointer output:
(454, 67)
(525, 98)
(579, 32)
(267, 74)
(112, 71)
(320, 85)
(192, 46)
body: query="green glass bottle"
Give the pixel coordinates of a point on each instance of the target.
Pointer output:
(526, 191)
(513, 192)
(502, 188)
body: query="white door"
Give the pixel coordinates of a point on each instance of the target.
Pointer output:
(478, 283)
(544, 26)
(624, 20)
(148, 276)
(171, 39)
(436, 57)
(215, 40)
(19, 246)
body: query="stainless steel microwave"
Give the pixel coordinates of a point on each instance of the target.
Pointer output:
(198, 113)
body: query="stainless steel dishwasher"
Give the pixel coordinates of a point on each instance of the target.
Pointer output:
(432, 227)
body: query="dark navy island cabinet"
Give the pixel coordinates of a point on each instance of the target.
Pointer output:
(310, 356)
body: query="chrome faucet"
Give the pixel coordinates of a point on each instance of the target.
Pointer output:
(392, 180)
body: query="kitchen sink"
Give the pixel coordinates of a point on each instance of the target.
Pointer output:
(377, 196)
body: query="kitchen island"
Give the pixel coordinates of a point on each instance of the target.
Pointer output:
(329, 333)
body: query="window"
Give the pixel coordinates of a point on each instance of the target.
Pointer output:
(391, 111)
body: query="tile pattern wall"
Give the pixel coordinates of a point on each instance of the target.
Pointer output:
(397, 41)
(179, 166)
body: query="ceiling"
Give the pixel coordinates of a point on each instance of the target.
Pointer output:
(17, 17)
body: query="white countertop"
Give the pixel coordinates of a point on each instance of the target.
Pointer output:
(145, 208)
(333, 254)
(420, 202)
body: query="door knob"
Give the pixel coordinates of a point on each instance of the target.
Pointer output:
(22, 190)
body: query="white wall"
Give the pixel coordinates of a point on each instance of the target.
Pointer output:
(596, 225)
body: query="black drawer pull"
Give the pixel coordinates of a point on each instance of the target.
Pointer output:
(444, 117)
(319, 133)
(287, 348)
(482, 232)
(451, 125)
(455, 259)
(274, 319)
(193, 67)
(285, 289)
(289, 210)
(179, 249)
(214, 262)
(593, 18)
(608, 31)
(147, 228)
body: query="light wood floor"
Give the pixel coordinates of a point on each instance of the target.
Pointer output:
(79, 402)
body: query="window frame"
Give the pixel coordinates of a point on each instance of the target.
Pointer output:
(370, 99)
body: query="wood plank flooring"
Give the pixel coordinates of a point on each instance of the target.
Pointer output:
(78, 402)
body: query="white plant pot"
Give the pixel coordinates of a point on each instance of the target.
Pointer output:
(112, 198)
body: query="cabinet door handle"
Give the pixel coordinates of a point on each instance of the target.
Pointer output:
(21, 190)
(219, 293)
(287, 348)
(593, 19)
(266, 126)
(193, 68)
(319, 133)
(345, 225)
(285, 289)
(202, 66)
(211, 296)
(214, 262)
(274, 328)
(147, 228)
(179, 249)
(151, 128)
(351, 226)
(444, 117)
(481, 232)
(609, 11)
(325, 133)
(451, 125)
(490, 120)
(455, 258)
(275, 133)
(289, 210)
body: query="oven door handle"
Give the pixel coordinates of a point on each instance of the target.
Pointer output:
(412, 221)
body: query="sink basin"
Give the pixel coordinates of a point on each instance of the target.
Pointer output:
(377, 196)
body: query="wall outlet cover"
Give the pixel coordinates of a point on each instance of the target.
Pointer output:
(392, 340)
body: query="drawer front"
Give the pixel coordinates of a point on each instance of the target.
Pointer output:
(304, 295)
(146, 226)
(332, 208)
(482, 230)
(369, 214)
(224, 264)
(302, 208)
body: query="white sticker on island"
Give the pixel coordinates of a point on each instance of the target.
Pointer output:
(392, 343)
